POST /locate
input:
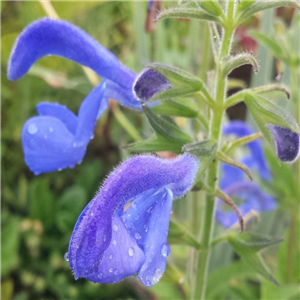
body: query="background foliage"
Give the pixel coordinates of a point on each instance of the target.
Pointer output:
(38, 213)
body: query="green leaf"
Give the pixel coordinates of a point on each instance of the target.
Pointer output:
(244, 4)
(188, 13)
(211, 6)
(178, 234)
(230, 63)
(41, 202)
(263, 5)
(165, 128)
(228, 160)
(266, 112)
(10, 239)
(69, 208)
(270, 43)
(183, 83)
(176, 107)
(154, 145)
(247, 245)
(205, 151)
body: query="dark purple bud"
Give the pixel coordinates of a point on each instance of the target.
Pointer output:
(149, 83)
(286, 142)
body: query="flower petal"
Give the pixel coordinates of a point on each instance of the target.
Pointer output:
(287, 143)
(60, 112)
(55, 37)
(88, 113)
(148, 83)
(256, 159)
(48, 145)
(122, 258)
(130, 179)
(150, 217)
(254, 199)
(230, 175)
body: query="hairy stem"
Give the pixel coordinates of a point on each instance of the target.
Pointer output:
(199, 289)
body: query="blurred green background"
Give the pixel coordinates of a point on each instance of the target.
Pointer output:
(38, 213)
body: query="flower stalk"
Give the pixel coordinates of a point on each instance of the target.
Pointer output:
(203, 257)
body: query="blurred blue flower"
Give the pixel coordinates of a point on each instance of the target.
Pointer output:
(253, 199)
(57, 139)
(108, 242)
(234, 182)
(254, 160)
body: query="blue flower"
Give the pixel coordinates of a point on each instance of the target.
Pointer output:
(109, 242)
(255, 160)
(253, 199)
(234, 182)
(57, 139)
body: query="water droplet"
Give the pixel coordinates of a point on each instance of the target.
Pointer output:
(165, 250)
(115, 227)
(137, 235)
(74, 145)
(137, 217)
(116, 272)
(146, 228)
(92, 136)
(133, 205)
(66, 256)
(104, 238)
(100, 275)
(150, 209)
(51, 129)
(114, 242)
(32, 128)
(110, 270)
(148, 283)
(110, 256)
(131, 251)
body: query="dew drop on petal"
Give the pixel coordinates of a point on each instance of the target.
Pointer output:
(116, 272)
(115, 227)
(100, 275)
(165, 250)
(110, 270)
(148, 283)
(74, 145)
(66, 256)
(110, 256)
(137, 235)
(92, 136)
(131, 251)
(32, 128)
(51, 129)
(114, 242)
(104, 238)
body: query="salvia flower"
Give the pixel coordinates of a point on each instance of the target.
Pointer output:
(235, 183)
(57, 138)
(254, 160)
(252, 197)
(110, 242)
(48, 138)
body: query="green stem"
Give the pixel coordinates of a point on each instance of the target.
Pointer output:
(214, 133)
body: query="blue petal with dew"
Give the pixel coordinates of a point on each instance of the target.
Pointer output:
(135, 176)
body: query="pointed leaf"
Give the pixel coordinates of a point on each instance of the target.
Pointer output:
(166, 129)
(211, 6)
(188, 13)
(205, 151)
(154, 145)
(176, 107)
(228, 160)
(163, 82)
(247, 245)
(270, 43)
(263, 5)
(230, 63)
